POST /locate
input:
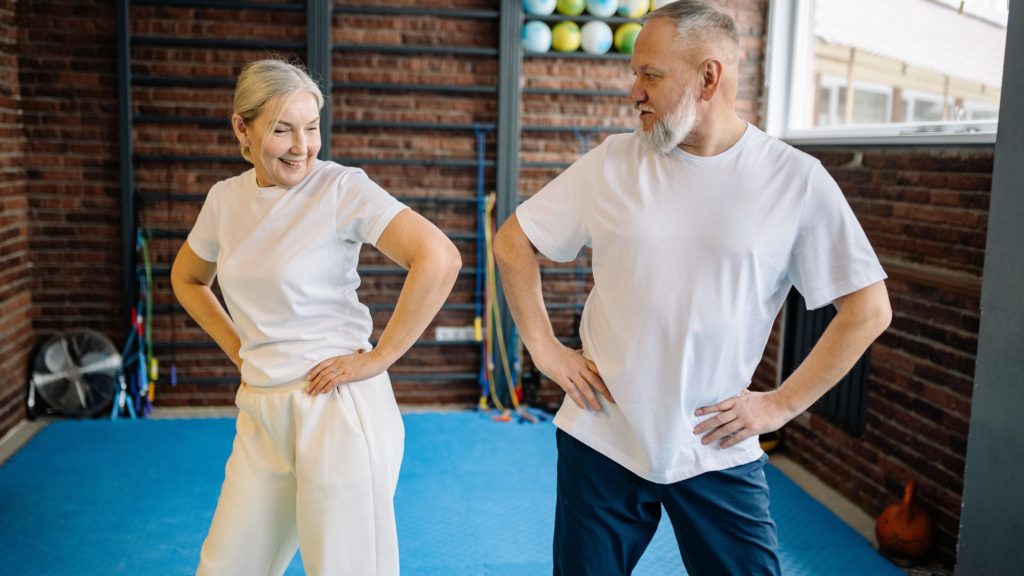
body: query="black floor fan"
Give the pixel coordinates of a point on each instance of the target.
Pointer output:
(74, 373)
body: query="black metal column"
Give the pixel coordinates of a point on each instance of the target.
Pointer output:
(510, 61)
(318, 62)
(124, 121)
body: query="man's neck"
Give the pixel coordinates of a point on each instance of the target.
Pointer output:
(715, 136)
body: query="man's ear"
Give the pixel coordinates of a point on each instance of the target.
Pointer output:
(711, 78)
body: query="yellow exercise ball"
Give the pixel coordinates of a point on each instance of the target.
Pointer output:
(565, 36)
(571, 7)
(634, 8)
(625, 37)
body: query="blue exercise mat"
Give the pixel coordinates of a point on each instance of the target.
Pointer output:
(475, 497)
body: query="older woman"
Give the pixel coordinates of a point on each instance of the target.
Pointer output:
(319, 437)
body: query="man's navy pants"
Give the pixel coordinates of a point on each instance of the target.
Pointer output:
(607, 515)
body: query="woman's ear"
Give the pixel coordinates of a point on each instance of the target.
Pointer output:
(240, 129)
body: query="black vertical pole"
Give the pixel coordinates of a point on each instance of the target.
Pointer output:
(318, 62)
(509, 64)
(124, 116)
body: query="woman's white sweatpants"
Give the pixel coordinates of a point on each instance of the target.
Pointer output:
(313, 472)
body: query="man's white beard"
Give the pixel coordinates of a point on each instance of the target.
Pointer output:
(670, 130)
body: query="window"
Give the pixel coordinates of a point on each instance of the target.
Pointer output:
(878, 71)
(922, 107)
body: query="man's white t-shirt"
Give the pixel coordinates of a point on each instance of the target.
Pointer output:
(286, 264)
(692, 260)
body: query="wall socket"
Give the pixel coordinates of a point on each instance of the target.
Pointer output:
(449, 333)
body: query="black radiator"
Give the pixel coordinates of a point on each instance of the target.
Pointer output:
(846, 403)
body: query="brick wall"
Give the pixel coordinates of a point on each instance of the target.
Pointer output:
(925, 212)
(69, 105)
(15, 264)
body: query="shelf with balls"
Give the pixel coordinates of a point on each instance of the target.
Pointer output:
(583, 28)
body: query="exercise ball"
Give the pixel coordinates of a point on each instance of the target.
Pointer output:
(633, 8)
(625, 37)
(536, 37)
(597, 37)
(565, 36)
(571, 7)
(539, 7)
(602, 8)
(655, 4)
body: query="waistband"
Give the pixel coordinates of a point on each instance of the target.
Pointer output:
(292, 386)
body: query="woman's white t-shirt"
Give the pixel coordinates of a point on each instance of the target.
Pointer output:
(286, 263)
(692, 260)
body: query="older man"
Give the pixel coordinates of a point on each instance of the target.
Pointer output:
(700, 224)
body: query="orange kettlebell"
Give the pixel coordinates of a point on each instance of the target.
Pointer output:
(903, 529)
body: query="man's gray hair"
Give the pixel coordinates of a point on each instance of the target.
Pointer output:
(699, 20)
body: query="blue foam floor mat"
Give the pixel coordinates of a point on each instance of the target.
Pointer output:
(475, 498)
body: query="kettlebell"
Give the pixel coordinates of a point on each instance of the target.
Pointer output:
(903, 529)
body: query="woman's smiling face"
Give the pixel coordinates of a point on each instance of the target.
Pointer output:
(284, 139)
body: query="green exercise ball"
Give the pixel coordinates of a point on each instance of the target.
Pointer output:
(625, 37)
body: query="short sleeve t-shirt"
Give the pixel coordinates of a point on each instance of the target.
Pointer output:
(286, 263)
(692, 260)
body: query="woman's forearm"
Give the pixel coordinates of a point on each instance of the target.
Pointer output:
(426, 287)
(202, 305)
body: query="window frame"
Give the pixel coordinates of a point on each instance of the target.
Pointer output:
(787, 51)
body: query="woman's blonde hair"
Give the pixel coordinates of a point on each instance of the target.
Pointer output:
(262, 81)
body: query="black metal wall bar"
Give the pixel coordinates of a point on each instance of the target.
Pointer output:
(164, 270)
(557, 17)
(576, 92)
(439, 88)
(412, 125)
(460, 306)
(574, 129)
(318, 60)
(152, 197)
(180, 81)
(214, 5)
(182, 234)
(413, 11)
(406, 377)
(348, 161)
(124, 121)
(232, 43)
(417, 49)
(447, 306)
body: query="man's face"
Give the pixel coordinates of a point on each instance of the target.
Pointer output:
(666, 89)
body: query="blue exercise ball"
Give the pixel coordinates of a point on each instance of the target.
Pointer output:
(539, 7)
(597, 37)
(536, 37)
(602, 8)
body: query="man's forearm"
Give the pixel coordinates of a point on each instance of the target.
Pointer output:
(862, 317)
(520, 277)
